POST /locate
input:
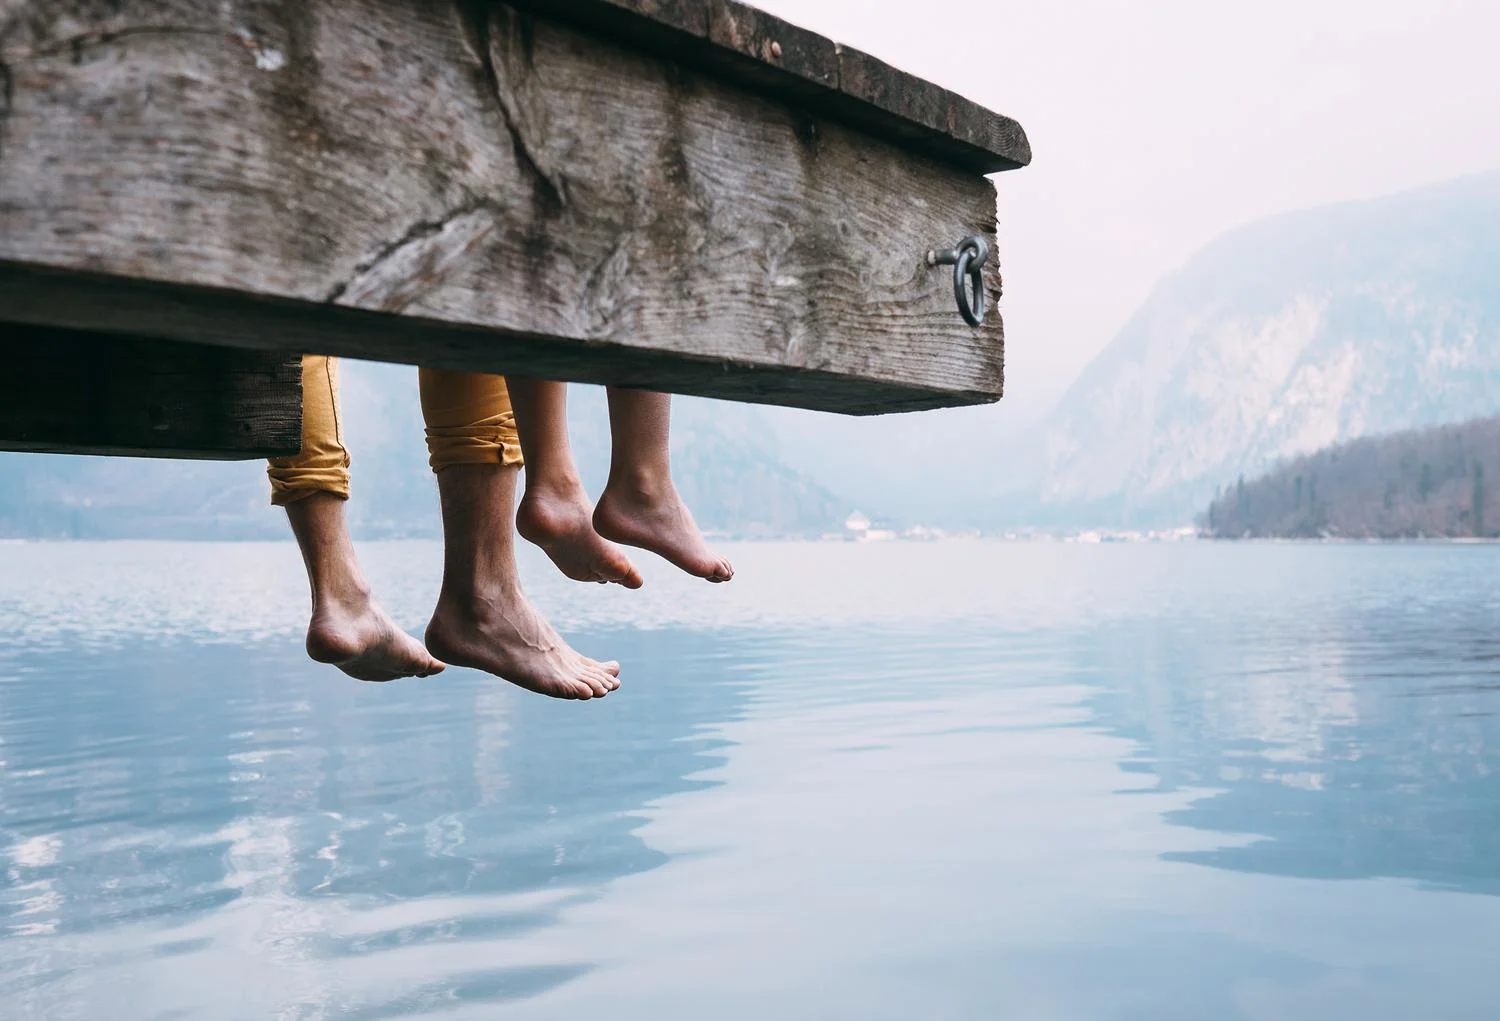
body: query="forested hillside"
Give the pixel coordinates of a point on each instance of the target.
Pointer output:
(1442, 482)
(1277, 340)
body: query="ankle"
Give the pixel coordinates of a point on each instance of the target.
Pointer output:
(555, 484)
(470, 600)
(551, 496)
(350, 595)
(639, 486)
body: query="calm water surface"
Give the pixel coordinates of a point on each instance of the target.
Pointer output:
(957, 780)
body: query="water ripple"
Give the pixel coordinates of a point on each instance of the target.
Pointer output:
(951, 780)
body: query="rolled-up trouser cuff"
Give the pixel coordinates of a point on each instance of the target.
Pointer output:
(469, 419)
(291, 485)
(322, 465)
(486, 444)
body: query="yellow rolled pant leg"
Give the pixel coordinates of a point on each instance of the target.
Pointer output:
(469, 419)
(322, 465)
(468, 415)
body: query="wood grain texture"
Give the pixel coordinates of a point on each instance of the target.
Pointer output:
(73, 392)
(922, 107)
(742, 42)
(778, 47)
(467, 186)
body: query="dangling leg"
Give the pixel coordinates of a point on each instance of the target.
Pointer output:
(640, 506)
(555, 512)
(348, 629)
(483, 619)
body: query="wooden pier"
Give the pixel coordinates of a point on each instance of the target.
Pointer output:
(684, 195)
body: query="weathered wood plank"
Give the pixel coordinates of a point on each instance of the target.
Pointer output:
(921, 108)
(71, 392)
(781, 59)
(218, 317)
(775, 48)
(470, 186)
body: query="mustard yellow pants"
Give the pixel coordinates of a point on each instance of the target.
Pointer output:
(468, 415)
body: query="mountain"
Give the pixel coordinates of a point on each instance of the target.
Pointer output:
(1276, 340)
(1442, 482)
(726, 460)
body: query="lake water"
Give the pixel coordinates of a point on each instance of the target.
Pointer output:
(884, 781)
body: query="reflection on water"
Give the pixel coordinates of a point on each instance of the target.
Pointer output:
(1369, 750)
(949, 780)
(161, 800)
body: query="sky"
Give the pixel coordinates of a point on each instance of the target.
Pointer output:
(1159, 124)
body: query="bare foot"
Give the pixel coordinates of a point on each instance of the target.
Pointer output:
(561, 524)
(660, 522)
(507, 637)
(357, 637)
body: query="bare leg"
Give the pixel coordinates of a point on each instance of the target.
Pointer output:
(349, 629)
(483, 619)
(640, 506)
(555, 512)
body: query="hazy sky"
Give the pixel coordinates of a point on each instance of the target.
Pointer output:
(1158, 124)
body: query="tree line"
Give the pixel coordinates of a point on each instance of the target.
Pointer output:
(1441, 482)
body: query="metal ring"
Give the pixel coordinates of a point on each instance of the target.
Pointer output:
(973, 312)
(968, 261)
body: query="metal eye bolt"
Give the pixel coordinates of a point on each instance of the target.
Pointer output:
(968, 261)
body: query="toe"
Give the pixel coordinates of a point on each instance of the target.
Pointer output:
(612, 559)
(709, 569)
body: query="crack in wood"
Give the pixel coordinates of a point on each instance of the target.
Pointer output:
(75, 46)
(401, 272)
(367, 201)
(476, 17)
(606, 288)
